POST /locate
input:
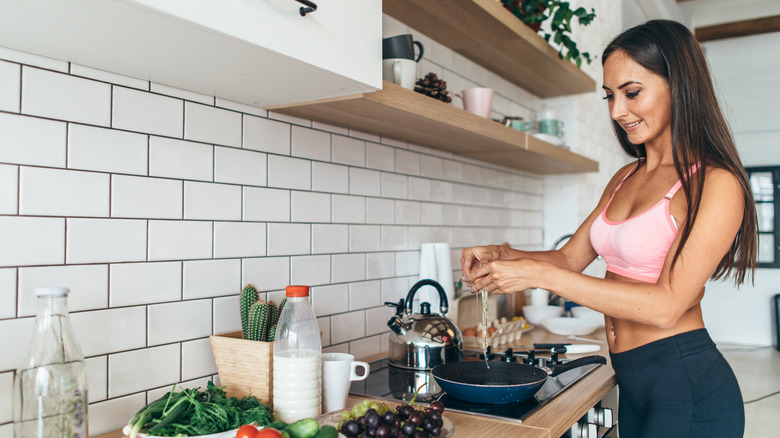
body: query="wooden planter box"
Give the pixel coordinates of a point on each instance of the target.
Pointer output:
(245, 367)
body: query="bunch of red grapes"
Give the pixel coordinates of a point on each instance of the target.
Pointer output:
(406, 422)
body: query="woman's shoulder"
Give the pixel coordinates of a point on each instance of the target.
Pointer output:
(720, 182)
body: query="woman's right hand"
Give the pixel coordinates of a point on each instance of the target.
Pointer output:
(477, 256)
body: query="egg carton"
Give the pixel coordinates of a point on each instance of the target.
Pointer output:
(506, 333)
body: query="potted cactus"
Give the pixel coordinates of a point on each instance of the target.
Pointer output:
(245, 358)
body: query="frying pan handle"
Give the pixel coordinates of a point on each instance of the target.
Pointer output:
(576, 363)
(443, 304)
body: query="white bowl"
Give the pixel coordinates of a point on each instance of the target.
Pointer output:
(537, 314)
(587, 313)
(571, 326)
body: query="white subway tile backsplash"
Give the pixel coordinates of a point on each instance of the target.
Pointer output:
(212, 125)
(348, 267)
(105, 240)
(226, 315)
(347, 326)
(88, 286)
(380, 265)
(9, 189)
(310, 207)
(266, 135)
(97, 378)
(211, 278)
(395, 186)
(420, 189)
(108, 331)
(32, 241)
(310, 270)
(63, 97)
(364, 136)
(327, 238)
(324, 324)
(269, 205)
(134, 371)
(327, 177)
(173, 322)
(380, 157)
(289, 239)
(380, 211)
(394, 238)
(364, 182)
(348, 209)
(179, 240)
(10, 86)
(212, 201)
(7, 430)
(311, 144)
(266, 273)
(349, 151)
(364, 238)
(376, 319)
(407, 162)
(106, 150)
(366, 347)
(6, 397)
(141, 111)
(30, 59)
(239, 239)
(103, 415)
(289, 173)
(106, 76)
(240, 166)
(141, 283)
(142, 197)
(7, 293)
(54, 192)
(28, 140)
(407, 213)
(431, 167)
(15, 347)
(180, 159)
(365, 294)
(197, 359)
(330, 300)
(154, 87)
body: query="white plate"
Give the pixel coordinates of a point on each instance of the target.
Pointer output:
(571, 326)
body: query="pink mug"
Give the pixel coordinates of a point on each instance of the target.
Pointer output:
(477, 101)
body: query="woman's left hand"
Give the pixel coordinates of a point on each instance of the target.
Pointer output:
(508, 276)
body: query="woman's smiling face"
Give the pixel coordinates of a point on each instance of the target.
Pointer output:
(639, 100)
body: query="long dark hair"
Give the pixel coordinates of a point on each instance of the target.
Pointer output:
(699, 131)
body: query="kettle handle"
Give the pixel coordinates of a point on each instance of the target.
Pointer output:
(443, 304)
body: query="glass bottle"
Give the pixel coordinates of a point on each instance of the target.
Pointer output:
(50, 387)
(297, 359)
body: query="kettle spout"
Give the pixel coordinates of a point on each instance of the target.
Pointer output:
(396, 324)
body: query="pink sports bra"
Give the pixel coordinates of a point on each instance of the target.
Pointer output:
(636, 247)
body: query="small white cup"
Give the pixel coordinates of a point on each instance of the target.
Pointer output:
(400, 71)
(538, 297)
(338, 370)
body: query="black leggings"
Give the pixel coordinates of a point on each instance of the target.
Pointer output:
(678, 387)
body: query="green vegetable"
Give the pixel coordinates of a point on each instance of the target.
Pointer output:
(192, 412)
(258, 321)
(306, 428)
(278, 425)
(327, 432)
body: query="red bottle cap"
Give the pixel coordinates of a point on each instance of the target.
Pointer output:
(297, 291)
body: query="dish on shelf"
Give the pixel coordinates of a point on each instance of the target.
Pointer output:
(570, 326)
(557, 141)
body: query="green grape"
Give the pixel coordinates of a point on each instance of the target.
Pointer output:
(345, 415)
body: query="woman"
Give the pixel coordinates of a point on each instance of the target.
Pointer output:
(661, 244)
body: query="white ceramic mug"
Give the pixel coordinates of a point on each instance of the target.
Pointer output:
(338, 370)
(538, 297)
(399, 71)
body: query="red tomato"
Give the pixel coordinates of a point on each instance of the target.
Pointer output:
(246, 431)
(268, 433)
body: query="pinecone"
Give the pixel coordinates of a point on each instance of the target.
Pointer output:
(434, 87)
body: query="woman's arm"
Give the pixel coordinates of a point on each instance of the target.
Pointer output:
(660, 304)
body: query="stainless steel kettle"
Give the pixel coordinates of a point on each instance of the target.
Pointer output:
(423, 340)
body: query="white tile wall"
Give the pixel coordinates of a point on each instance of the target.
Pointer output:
(6, 397)
(160, 204)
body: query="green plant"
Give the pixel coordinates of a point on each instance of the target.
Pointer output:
(534, 12)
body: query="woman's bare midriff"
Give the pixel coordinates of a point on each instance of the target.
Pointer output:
(629, 335)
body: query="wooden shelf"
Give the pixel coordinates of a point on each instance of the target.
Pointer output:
(486, 33)
(401, 114)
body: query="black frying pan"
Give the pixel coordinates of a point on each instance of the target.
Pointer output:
(504, 382)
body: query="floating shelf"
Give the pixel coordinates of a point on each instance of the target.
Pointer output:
(398, 113)
(486, 33)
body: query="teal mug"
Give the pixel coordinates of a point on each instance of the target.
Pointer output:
(519, 124)
(551, 127)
